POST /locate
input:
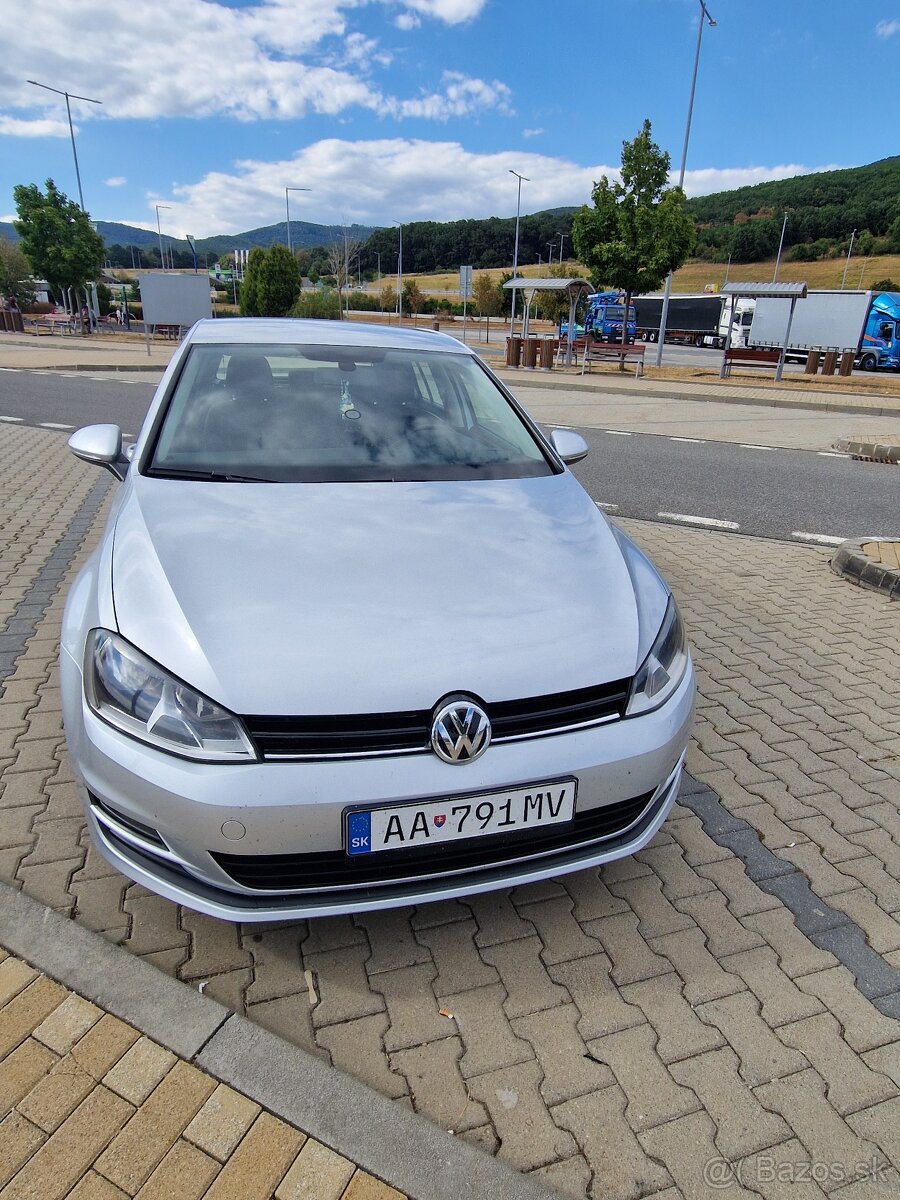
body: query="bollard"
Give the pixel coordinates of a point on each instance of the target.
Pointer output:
(513, 351)
(812, 362)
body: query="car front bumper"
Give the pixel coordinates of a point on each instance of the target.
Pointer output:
(171, 824)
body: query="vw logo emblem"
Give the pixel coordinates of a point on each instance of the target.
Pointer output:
(461, 731)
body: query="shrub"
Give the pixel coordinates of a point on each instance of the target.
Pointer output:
(325, 305)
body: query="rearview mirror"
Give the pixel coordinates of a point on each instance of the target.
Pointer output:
(569, 445)
(102, 446)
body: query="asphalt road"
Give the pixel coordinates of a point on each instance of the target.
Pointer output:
(779, 493)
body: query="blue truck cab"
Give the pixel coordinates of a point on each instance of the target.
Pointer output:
(603, 318)
(879, 346)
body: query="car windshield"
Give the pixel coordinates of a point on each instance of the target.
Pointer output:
(300, 413)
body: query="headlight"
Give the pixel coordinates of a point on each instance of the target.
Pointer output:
(664, 667)
(138, 697)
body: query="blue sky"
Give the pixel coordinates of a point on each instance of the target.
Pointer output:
(400, 110)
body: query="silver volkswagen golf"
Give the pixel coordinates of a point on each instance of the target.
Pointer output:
(356, 637)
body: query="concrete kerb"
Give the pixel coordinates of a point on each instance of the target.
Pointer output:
(396, 1145)
(851, 561)
(659, 390)
(870, 450)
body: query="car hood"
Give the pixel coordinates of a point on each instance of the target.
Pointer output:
(369, 597)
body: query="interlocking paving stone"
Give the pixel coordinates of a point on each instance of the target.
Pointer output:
(716, 917)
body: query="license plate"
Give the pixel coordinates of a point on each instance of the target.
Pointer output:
(434, 822)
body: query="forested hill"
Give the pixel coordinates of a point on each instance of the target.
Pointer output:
(822, 210)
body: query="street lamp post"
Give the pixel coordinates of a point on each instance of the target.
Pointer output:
(847, 263)
(521, 179)
(68, 95)
(562, 237)
(162, 261)
(287, 210)
(400, 278)
(704, 17)
(780, 244)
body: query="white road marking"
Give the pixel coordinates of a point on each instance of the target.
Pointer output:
(607, 507)
(12, 418)
(619, 432)
(824, 539)
(53, 425)
(754, 446)
(687, 519)
(553, 426)
(699, 441)
(831, 454)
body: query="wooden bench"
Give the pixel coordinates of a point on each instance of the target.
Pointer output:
(606, 351)
(749, 358)
(50, 322)
(171, 333)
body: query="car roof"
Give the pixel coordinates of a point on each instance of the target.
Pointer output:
(305, 332)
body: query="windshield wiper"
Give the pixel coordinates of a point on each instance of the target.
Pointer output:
(205, 476)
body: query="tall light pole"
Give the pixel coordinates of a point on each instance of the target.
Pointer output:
(780, 244)
(287, 210)
(68, 95)
(162, 261)
(704, 17)
(400, 277)
(847, 263)
(521, 179)
(562, 237)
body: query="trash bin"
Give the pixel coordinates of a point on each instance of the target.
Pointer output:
(5, 320)
(436, 325)
(812, 362)
(531, 346)
(846, 366)
(548, 349)
(513, 351)
(18, 325)
(830, 363)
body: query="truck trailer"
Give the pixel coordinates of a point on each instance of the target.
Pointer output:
(868, 323)
(700, 320)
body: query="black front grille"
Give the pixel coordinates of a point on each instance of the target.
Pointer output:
(335, 868)
(403, 732)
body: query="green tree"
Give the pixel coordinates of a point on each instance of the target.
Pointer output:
(637, 231)
(15, 274)
(387, 299)
(58, 239)
(488, 298)
(554, 306)
(413, 298)
(250, 286)
(324, 305)
(278, 283)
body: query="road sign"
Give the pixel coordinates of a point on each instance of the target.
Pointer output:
(465, 282)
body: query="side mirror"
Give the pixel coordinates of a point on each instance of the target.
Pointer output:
(569, 445)
(102, 446)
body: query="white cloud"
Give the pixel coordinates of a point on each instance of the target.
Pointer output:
(407, 21)
(116, 181)
(459, 96)
(375, 182)
(199, 58)
(451, 12)
(41, 128)
(886, 29)
(532, 133)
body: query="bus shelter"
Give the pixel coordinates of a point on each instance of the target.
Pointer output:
(764, 291)
(574, 288)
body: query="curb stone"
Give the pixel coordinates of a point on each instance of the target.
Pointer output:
(872, 451)
(398, 1146)
(854, 561)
